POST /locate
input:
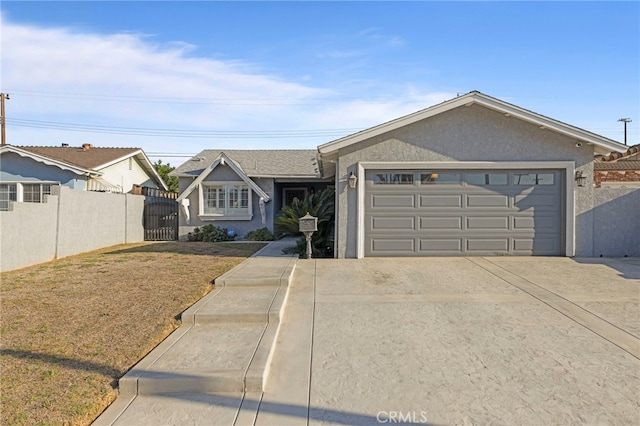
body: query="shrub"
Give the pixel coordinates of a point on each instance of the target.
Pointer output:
(262, 234)
(321, 205)
(212, 233)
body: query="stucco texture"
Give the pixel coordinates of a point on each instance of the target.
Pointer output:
(470, 133)
(616, 228)
(69, 223)
(224, 173)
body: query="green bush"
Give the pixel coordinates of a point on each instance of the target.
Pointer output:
(262, 234)
(212, 234)
(320, 204)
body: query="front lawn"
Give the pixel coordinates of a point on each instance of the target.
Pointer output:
(70, 328)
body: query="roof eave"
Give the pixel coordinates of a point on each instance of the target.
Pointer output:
(146, 165)
(467, 100)
(50, 162)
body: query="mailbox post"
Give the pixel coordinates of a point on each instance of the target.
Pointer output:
(308, 224)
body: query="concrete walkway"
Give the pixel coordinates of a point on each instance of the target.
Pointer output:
(219, 355)
(462, 341)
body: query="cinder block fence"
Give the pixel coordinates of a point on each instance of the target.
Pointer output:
(67, 223)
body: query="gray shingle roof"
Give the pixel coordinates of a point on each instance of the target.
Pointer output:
(258, 163)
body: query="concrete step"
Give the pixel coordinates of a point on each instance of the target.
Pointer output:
(238, 304)
(223, 347)
(187, 409)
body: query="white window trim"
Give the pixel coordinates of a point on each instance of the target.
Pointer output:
(567, 166)
(20, 188)
(212, 216)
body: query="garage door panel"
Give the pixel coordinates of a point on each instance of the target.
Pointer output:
(487, 244)
(523, 202)
(539, 244)
(433, 218)
(393, 223)
(501, 222)
(538, 222)
(392, 244)
(441, 245)
(487, 200)
(438, 223)
(384, 200)
(440, 200)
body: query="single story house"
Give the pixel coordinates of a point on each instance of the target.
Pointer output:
(471, 176)
(243, 190)
(27, 173)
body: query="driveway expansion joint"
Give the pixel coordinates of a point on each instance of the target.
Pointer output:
(594, 323)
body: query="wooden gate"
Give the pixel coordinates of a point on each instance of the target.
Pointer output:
(160, 215)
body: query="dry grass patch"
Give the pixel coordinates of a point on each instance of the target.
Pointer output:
(72, 327)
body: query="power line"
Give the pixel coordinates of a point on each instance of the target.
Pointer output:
(182, 133)
(304, 100)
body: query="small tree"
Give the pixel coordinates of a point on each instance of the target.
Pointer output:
(164, 170)
(321, 205)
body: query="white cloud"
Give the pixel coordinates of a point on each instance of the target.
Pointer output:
(130, 80)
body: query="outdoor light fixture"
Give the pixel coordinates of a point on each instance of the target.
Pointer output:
(353, 180)
(580, 179)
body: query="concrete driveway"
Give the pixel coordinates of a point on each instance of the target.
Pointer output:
(458, 341)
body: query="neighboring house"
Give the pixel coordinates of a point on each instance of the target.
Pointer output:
(471, 176)
(618, 169)
(243, 190)
(27, 173)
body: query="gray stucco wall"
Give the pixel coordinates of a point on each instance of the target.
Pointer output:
(471, 133)
(14, 168)
(69, 223)
(616, 226)
(241, 227)
(28, 234)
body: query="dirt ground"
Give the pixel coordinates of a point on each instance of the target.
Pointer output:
(70, 328)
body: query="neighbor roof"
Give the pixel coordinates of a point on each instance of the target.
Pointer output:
(620, 156)
(92, 158)
(257, 163)
(478, 98)
(617, 165)
(88, 161)
(44, 159)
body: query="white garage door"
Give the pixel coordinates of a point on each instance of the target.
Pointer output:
(462, 212)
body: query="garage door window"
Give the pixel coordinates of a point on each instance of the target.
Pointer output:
(433, 178)
(393, 179)
(487, 178)
(533, 178)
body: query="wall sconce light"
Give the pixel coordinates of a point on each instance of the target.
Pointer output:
(353, 180)
(580, 179)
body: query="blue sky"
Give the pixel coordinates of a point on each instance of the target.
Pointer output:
(179, 77)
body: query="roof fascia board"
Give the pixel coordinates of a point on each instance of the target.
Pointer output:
(236, 168)
(146, 164)
(117, 160)
(548, 123)
(223, 159)
(392, 125)
(467, 100)
(50, 162)
(284, 176)
(197, 181)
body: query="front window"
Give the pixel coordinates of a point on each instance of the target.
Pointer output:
(35, 192)
(230, 199)
(8, 193)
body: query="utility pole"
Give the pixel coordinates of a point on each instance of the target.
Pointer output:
(3, 119)
(625, 121)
